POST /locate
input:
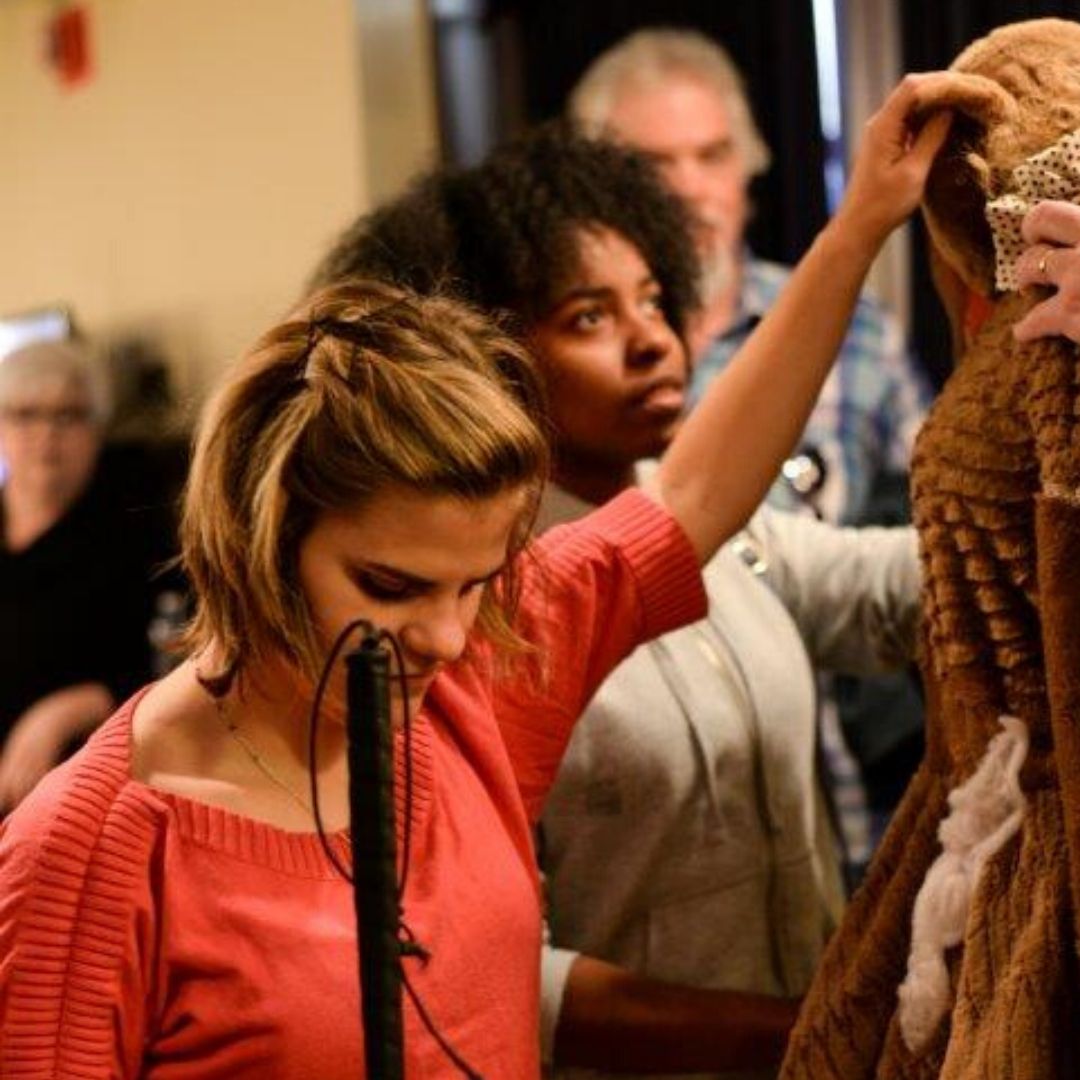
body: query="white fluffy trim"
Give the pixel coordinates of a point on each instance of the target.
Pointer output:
(985, 812)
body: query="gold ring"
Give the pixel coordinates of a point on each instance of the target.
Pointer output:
(1042, 264)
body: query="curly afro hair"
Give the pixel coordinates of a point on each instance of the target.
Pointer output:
(505, 234)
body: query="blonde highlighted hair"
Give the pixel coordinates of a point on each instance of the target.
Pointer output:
(365, 387)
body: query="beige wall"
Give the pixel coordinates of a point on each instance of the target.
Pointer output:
(398, 91)
(188, 188)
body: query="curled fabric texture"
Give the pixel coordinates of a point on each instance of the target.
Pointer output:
(985, 813)
(1053, 173)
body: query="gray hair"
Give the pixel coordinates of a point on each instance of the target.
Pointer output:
(648, 58)
(44, 361)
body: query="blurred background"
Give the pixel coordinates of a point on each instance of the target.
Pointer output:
(172, 171)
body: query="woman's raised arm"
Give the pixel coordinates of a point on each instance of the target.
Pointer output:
(728, 452)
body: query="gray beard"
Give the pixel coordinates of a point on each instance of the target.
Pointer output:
(717, 275)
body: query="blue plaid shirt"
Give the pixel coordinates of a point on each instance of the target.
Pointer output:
(870, 408)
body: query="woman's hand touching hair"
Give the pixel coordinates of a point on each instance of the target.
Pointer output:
(898, 147)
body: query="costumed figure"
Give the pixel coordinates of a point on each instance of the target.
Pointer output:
(958, 958)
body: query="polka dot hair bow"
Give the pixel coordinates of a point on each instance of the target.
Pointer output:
(1053, 173)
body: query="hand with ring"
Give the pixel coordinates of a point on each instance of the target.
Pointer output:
(1052, 229)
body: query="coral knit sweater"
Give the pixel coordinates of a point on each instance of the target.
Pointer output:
(146, 935)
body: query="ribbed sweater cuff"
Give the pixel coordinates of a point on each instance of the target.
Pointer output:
(652, 543)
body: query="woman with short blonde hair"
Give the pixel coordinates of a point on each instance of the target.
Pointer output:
(364, 388)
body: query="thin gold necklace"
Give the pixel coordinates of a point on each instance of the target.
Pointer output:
(237, 734)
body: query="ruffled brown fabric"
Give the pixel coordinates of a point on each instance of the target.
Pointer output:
(1005, 426)
(1001, 561)
(996, 477)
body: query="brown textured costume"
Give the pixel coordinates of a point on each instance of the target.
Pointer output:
(1001, 557)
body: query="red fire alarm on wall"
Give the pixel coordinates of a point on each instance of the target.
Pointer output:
(68, 44)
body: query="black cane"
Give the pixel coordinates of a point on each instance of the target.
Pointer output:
(374, 856)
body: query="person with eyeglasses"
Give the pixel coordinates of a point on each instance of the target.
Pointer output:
(74, 571)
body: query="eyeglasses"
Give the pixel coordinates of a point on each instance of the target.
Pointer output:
(64, 417)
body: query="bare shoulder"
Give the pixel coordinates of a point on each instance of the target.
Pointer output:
(180, 746)
(174, 739)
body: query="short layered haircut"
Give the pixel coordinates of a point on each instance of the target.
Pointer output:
(364, 388)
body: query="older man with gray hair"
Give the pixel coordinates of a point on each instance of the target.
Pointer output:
(678, 97)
